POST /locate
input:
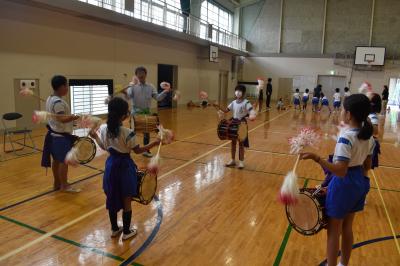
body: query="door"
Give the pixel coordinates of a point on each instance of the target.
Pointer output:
(25, 105)
(330, 83)
(285, 90)
(223, 87)
(165, 73)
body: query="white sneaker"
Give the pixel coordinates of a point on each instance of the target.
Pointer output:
(241, 165)
(132, 233)
(147, 154)
(232, 163)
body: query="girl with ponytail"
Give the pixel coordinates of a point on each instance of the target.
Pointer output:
(348, 186)
(120, 180)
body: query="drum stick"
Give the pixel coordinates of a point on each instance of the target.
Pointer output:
(296, 163)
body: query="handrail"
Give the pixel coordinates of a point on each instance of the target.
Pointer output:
(173, 18)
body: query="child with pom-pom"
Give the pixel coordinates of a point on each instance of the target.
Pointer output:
(348, 185)
(241, 108)
(59, 139)
(120, 181)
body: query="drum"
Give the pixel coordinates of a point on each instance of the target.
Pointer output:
(308, 216)
(85, 149)
(147, 186)
(145, 123)
(232, 129)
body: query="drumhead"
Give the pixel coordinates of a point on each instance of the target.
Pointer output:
(305, 215)
(86, 149)
(148, 187)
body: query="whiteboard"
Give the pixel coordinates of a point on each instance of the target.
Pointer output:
(304, 82)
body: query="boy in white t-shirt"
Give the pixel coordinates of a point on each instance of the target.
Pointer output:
(240, 108)
(296, 99)
(306, 96)
(59, 138)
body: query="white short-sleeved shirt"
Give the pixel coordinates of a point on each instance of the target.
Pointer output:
(336, 97)
(141, 95)
(374, 119)
(240, 109)
(350, 148)
(347, 94)
(296, 95)
(124, 143)
(57, 105)
(305, 94)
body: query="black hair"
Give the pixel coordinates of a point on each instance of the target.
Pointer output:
(376, 103)
(346, 89)
(241, 88)
(359, 107)
(307, 90)
(140, 69)
(297, 90)
(337, 89)
(385, 88)
(269, 79)
(117, 109)
(57, 81)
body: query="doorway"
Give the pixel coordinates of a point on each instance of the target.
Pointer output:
(166, 73)
(285, 90)
(223, 87)
(330, 83)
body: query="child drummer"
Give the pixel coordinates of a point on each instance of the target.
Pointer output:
(240, 108)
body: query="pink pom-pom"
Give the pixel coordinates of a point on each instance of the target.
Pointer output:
(134, 81)
(40, 117)
(307, 137)
(261, 81)
(203, 95)
(365, 88)
(253, 115)
(153, 166)
(289, 190)
(71, 157)
(26, 92)
(166, 135)
(88, 121)
(177, 95)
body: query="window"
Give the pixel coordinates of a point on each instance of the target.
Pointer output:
(216, 16)
(87, 96)
(394, 92)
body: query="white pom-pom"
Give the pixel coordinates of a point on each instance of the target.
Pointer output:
(165, 85)
(177, 95)
(88, 121)
(41, 117)
(365, 88)
(253, 115)
(203, 95)
(166, 135)
(289, 190)
(26, 92)
(261, 82)
(71, 157)
(134, 81)
(153, 166)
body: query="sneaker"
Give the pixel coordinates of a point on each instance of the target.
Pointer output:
(232, 163)
(241, 165)
(147, 154)
(116, 233)
(71, 190)
(131, 234)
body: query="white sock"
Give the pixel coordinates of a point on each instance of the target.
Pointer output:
(340, 264)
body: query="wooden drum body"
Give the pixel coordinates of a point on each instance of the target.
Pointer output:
(145, 123)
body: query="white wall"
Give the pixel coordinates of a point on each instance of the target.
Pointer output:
(38, 43)
(283, 67)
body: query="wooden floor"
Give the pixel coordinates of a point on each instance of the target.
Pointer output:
(205, 214)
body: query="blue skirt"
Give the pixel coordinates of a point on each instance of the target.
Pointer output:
(296, 101)
(315, 101)
(60, 146)
(305, 99)
(119, 180)
(336, 104)
(347, 194)
(325, 102)
(375, 154)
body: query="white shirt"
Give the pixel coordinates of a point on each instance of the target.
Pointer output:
(374, 119)
(350, 148)
(124, 143)
(336, 97)
(57, 105)
(296, 95)
(240, 109)
(141, 95)
(347, 94)
(305, 94)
